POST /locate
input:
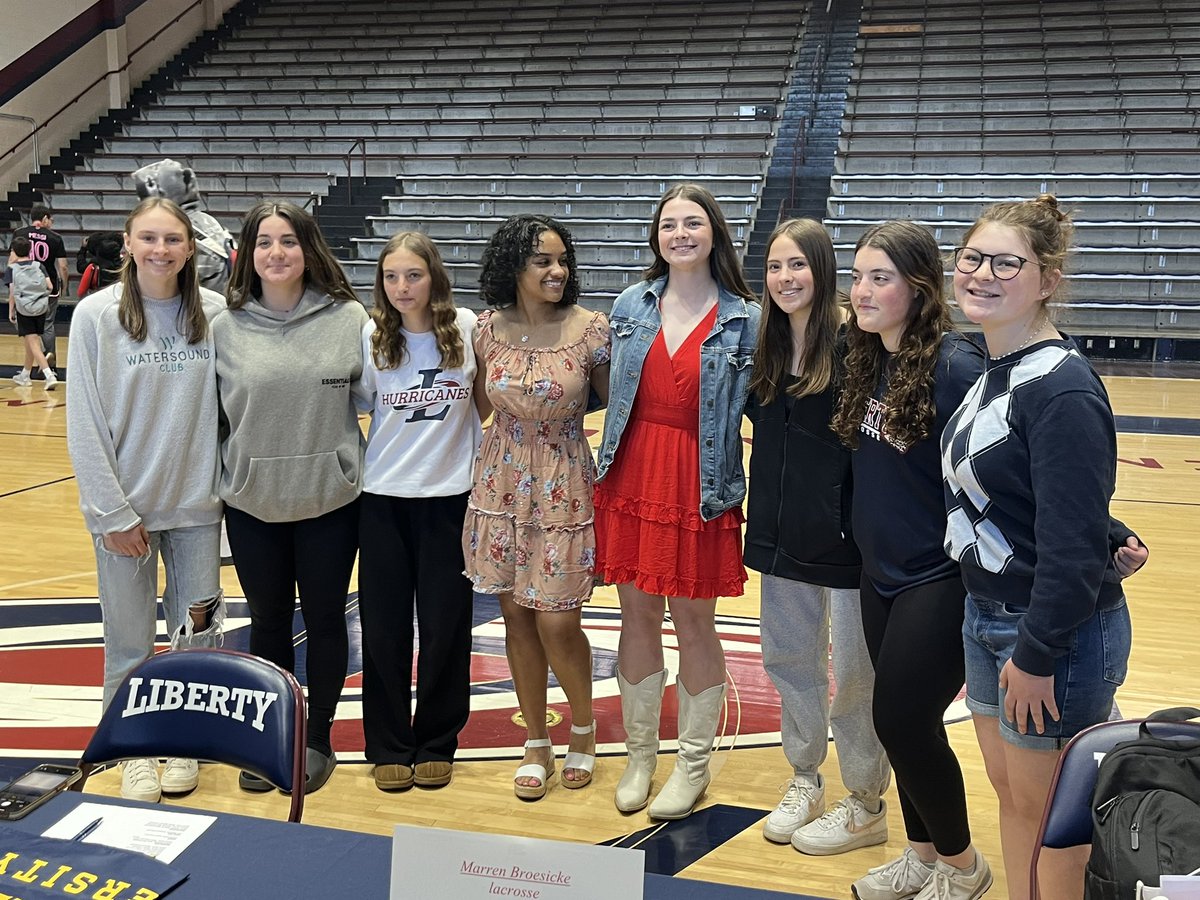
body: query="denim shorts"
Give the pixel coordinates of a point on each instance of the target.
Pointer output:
(1085, 679)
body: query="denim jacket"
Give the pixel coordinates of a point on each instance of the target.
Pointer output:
(725, 358)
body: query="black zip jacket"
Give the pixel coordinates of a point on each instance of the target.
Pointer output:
(798, 516)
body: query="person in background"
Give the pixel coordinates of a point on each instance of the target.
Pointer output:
(46, 247)
(29, 290)
(528, 535)
(799, 536)
(142, 435)
(103, 251)
(670, 485)
(1047, 631)
(289, 362)
(418, 373)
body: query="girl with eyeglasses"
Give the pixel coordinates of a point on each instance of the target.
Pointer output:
(1047, 632)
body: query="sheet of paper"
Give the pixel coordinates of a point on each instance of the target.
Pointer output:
(1179, 887)
(159, 833)
(432, 862)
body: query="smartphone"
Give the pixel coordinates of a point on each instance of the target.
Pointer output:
(34, 788)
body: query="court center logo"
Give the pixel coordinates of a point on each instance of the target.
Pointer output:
(52, 664)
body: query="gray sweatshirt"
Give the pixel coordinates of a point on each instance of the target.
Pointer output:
(291, 446)
(142, 418)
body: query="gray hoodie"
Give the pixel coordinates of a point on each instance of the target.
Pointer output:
(291, 446)
(142, 418)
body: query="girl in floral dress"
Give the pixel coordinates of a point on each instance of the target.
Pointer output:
(528, 535)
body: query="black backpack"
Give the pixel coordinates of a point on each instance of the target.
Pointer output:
(1146, 809)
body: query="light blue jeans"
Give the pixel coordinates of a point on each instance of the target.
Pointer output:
(128, 590)
(795, 620)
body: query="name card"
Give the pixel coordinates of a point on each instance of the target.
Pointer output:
(433, 862)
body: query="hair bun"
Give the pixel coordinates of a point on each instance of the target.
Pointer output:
(1050, 202)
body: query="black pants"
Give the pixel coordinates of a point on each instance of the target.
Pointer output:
(316, 556)
(411, 554)
(916, 645)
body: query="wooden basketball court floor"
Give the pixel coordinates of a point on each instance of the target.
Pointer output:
(47, 610)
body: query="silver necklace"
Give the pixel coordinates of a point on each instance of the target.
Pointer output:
(1042, 322)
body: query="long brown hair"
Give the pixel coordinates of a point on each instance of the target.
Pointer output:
(723, 261)
(322, 271)
(131, 309)
(387, 342)
(910, 370)
(773, 354)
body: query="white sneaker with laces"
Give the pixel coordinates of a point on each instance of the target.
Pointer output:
(846, 826)
(22, 379)
(899, 879)
(51, 379)
(139, 780)
(803, 802)
(180, 776)
(949, 883)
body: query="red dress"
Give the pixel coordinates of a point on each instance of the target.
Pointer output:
(648, 525)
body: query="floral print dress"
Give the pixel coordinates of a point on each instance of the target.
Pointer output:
(529, 525)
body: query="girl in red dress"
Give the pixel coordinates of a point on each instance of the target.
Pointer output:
(670, 485)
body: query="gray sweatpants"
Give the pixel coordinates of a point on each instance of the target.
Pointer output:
(796, 620)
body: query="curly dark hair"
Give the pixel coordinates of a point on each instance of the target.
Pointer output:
(321, 268)
(723, 261)
(910, 370)
(387, 342)
(507, 254)
(773, 352)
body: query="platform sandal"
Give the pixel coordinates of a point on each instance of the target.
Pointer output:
(535, 770)
(582, 762)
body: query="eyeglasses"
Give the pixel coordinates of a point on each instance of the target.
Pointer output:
(1005, 266)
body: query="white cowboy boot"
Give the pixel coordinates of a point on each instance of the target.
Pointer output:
(698, 718)
(640, 707)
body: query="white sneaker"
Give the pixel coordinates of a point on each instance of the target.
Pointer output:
(847, 826)
(949, 883)
(51, 379)
(139, 780)
(899, 879)
(180, 776)
(803, 802)
(22, 379)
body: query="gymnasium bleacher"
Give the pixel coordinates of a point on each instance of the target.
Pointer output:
(581, 111)
(587, 111)
(955, 105)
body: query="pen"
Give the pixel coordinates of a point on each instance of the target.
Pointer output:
(88, 829)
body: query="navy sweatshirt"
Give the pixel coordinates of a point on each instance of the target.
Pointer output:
(1029, 460)
(899, 513)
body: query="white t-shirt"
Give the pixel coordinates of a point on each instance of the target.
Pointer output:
(424, 425)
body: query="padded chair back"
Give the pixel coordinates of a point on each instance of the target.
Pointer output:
(216, 705)
(1067, 820)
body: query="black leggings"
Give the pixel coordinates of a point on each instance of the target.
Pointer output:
(316, 555)
(916, 645)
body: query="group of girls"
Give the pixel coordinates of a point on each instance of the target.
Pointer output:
(892, 425)
(868, 425)
(185, 404)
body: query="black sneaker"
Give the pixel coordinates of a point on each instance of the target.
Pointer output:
(248, 781)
